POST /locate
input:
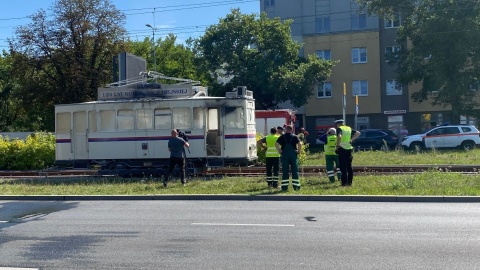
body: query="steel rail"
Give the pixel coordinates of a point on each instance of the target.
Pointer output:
(260, 171)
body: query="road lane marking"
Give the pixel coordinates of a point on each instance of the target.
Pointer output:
(3, 221)
(239, 224)
(13, 268)
(32, 217)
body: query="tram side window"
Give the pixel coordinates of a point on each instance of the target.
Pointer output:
(181, 118)
(213, 119)
(144, 119)
(234, 117)
(163, 119)
(107, 120)
(125, 119)
(198, 122)
(63, 123)
(251, 116)
(92, 121)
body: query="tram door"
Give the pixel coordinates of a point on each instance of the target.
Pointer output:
(214, 133)
(79, 138)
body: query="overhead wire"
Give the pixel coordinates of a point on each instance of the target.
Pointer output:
(201, 28)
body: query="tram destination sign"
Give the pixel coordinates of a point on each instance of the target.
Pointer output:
(144, 91)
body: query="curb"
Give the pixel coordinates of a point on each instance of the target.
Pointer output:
(231, 197)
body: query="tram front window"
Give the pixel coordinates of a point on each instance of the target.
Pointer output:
(234, 117)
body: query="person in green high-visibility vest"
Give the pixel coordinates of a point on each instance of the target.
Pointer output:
(272, 158)
(289, 146)
(331, 157)
(345, 136)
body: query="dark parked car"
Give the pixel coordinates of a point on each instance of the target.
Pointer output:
(375, 139)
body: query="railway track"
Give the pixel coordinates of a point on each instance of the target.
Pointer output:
(260, 171)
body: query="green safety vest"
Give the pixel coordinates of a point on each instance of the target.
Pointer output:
(271, 149)
(330, 145)
(346, 137)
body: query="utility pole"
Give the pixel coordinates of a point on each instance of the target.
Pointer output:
(154, 47)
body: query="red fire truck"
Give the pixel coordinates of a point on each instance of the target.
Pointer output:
(266, 119)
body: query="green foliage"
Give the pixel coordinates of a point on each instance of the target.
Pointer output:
(440, 49)
(431, 183)
(13, 116)
(64, 56)
(260, 54)
(261, 150)
(36, 152)
(172, 59)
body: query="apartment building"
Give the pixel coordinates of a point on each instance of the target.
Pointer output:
(338, 30)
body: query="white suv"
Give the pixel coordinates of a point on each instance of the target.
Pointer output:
(461, 136)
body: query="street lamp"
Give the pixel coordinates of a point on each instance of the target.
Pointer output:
(154, 49)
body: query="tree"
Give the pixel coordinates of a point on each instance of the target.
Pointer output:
(65, 56)
(259, 53)
(443, 50)
(173, 59)
(9, 99)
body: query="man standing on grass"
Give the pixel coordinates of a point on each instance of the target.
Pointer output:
(344, 150)
(272, 157)
(289, 146)
(331, 157)
(177, 156)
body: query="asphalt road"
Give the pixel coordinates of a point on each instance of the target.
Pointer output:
(238, 235)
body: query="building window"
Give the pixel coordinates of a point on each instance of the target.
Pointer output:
(324, 90)
(391, 53)
(359, 55)
(324, 54)
(269, 3)
(359, 21)
(360, 88)
(322, 24)
(394, 88)
(393, 22)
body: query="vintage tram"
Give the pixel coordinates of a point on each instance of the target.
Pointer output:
(127, 129)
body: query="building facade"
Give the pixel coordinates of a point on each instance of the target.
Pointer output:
(359, 44)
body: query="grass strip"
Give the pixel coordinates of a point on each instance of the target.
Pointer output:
(431, 183)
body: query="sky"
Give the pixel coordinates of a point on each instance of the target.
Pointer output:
(186, 18)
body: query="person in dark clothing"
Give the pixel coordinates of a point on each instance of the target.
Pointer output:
(279, 130)
(177, 156)
(345, 136)
(289, 147)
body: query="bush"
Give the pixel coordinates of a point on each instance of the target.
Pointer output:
(36, 152)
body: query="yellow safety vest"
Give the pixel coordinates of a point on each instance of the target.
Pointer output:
(330, 145)
(346, 137)
(271, 149)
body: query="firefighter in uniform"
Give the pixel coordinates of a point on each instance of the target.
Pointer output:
(289, 146)
(344, 150)
(331, 157)
(272, 157)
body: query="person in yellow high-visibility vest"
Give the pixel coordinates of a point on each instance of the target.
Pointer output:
(345, 136)
(272, 157)
(331, 157)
